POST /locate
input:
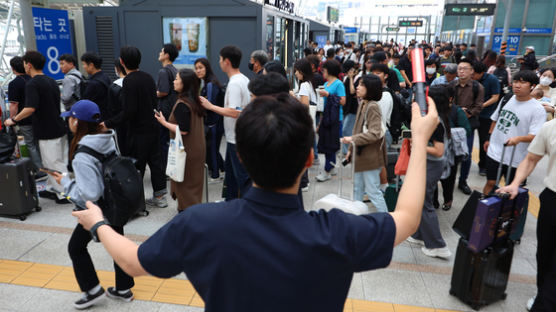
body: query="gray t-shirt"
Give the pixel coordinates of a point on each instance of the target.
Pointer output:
(165, 84)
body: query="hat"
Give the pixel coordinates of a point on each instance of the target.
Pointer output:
(530, 48)
(451, 68)
(84, 110)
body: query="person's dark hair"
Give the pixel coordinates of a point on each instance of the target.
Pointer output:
(479, 67)
(307, 51)
(441, 98)
(527, 76)
(379, 56)
(131, 56)
(430, 62)
(92, 58)
(552, 69)
(374, 87)
(35, 58)
(465, 60)
(269, 84)
(330, 53)
(17, 64)
(274, 137)
(490, 58)
(381, 68)
(209, 74)
(119, 67)
(304, 67)
(83, 128)
(171, 50)
(464, 45)
(314, 60)
(190, 91)
(68, 58)
(500, 61)
(347, 65)
(233, 54)
(333, 67)
(275, 67)
(472, 55)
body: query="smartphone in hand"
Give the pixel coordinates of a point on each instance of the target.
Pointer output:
(49, 171)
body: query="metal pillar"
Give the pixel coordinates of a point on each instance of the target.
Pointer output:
(504, 43)
(27, 21)
(8, 24)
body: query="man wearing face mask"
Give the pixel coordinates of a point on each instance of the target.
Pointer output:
(258, 59)
(430, 69)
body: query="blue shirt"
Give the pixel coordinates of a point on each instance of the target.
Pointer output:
(492, 86)
(265, 253)
(336, 88)
(441, 80)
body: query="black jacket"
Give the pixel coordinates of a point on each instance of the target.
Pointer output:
(97, 91)
(329, 129)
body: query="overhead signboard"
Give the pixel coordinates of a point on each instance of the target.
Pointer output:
(52, 32)
(350, 30)
(411, 23)
(516, 30)
(281, 5)
(332, 15)
(393, 29)
(468, 9)
(189, 35)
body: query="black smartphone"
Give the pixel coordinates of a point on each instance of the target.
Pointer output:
(345, 162)
(49, 171)
(406, 134)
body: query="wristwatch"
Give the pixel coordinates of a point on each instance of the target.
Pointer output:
(14, 121)
(94, 229)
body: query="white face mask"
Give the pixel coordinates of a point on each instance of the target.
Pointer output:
(431, 70)
(545, 81)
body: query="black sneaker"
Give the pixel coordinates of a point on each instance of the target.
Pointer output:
(89, 300)
(48, 194)
(464, 188)
(63, 201)
(113, 293)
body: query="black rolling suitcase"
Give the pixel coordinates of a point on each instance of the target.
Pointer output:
(18, 192)
(392, 158)
(479, 279)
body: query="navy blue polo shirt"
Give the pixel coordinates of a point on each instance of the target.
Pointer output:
(265, 253)
(492, 86)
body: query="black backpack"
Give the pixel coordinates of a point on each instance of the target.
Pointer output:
(82, 87)
(502, 76)
(123, 186)
(401, 114)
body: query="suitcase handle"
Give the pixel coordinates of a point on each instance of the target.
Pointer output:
(341, 173)
(509, 171)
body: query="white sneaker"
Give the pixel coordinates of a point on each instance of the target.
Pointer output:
(316, 162)
(530, 302)
(443, 252)
(415, 241)
(324, 176)
(306, 189)
(334, 171)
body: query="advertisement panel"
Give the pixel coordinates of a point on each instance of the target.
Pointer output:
(189, 35)
(513, 45)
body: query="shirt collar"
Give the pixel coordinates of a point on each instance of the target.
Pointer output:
(273, 199)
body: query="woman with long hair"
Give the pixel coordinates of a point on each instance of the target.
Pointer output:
(188, 113)
(88, 185)
(502, 72)
(214, 123)
(428, 234)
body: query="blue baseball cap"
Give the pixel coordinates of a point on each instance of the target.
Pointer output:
(84, 110)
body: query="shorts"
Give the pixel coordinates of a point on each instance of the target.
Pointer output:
(492, 171)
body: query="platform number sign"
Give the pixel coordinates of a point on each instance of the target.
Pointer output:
(52, 32)
(513, 45)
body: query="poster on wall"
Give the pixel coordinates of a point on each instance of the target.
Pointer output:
(189, 35)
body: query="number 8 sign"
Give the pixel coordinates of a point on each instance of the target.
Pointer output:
(53, 38)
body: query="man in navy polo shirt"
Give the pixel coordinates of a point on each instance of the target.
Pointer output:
(263, 252)
(492, 95)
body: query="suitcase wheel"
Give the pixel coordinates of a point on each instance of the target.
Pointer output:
(475, 306)
(37, 209)
(504, 296)
(145, 213)
(453, 293)
(22, 218)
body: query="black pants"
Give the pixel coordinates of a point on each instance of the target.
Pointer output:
(449, 183)
(484, 127)
(145, 149)
(83, 265)
(214, 160)
(546, 253)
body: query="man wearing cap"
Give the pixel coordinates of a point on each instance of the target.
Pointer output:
(529, 60)
(392, 82)
(450, 74)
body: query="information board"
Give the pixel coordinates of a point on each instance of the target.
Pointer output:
(52, 33)
(512, 48)
(469, 9)
(415, 23)
(189, 35)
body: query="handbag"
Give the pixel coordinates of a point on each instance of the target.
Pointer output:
(403, 160)
(175, 168)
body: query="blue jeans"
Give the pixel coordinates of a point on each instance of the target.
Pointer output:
(466, 164)
(388, 138)
(369, 182)
(347, 129)
(315, 149)
(214, 159)
(236, 178)
(329, 161)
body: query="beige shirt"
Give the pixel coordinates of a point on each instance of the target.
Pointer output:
(545, 144)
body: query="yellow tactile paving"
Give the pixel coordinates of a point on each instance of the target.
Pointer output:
(150, 288)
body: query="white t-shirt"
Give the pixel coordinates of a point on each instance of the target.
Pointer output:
(545, 144)
(516, 119)
(386, 105)
(306, 89)
(237, 97)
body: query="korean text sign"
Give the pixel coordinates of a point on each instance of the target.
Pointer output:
(52, 32)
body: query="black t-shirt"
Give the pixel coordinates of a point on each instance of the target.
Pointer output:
(351, 99)
(182, 113)
(318, 80)
(97, 91)
(42, 94)
(16, 93)
(405, 65)
(438, 134)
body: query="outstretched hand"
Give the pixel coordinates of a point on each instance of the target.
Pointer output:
(422, 127)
